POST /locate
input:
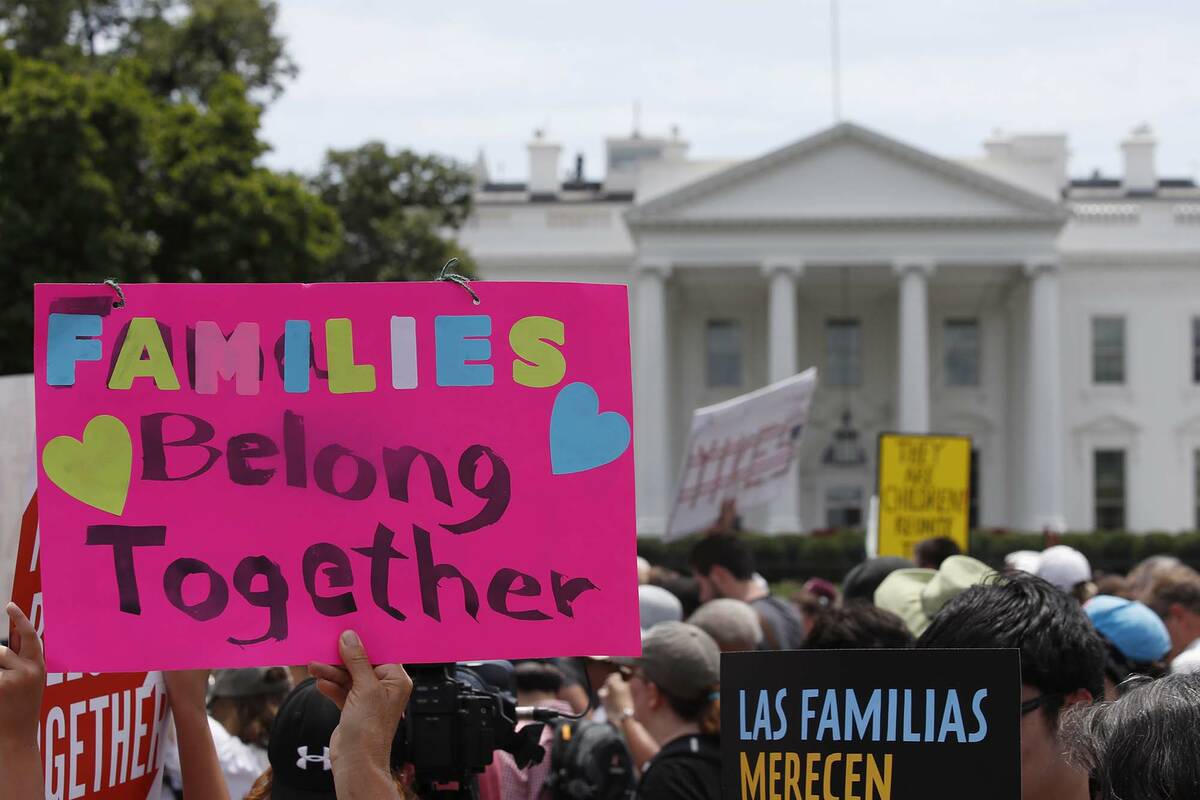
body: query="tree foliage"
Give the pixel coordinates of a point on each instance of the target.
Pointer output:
(129, 148)
(398, 212)
(103, 179)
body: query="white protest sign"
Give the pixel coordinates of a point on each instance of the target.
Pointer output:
(742, 450)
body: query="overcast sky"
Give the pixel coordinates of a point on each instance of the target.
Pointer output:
(739, 78)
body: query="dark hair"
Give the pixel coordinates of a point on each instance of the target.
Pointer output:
(683, 587)
(1119, 668)
(537, 676)
(723, 550)
(704, 710)
(863, 579)
(1060, 650)
(857, 625)
(930, 553)
(1142, 746)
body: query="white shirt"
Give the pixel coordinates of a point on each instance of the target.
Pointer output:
(240, 762)
(1187, 661)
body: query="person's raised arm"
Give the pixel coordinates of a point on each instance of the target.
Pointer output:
(198, 763)
(22, 679)
(372, 701)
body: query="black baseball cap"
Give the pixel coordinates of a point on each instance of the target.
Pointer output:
(299, 746)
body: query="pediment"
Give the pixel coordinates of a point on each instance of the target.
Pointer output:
(847, 174)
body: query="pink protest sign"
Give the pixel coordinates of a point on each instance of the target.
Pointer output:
(230, 475)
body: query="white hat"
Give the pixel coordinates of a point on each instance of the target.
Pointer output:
(1063, 567)
(656, 604)
(1023, 561)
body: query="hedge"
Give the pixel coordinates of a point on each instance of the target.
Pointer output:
(830, 555)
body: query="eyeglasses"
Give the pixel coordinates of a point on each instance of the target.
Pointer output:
(1034, 703)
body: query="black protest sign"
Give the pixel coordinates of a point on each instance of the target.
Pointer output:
(871, 725)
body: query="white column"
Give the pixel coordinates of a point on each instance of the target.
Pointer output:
(783, 516)
(1043, 420)
(651, 424)
(912, 414)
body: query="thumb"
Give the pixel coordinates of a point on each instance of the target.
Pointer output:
(28, 646)
(354, 657)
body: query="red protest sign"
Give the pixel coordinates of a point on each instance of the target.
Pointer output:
(101, 735)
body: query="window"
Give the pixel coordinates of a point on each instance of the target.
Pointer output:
(960, 338)
(973, 497)
(1195, 349)
(843, 507)
(723, 339)
(1109, 472)
(843, 352)
(1108, 350)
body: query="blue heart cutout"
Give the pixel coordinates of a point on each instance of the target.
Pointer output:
(581, 438)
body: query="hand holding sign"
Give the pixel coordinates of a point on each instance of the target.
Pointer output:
(22, 680)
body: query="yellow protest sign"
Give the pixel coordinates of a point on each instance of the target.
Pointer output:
(924, 490)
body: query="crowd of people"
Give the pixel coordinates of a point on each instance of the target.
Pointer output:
(1110, 695)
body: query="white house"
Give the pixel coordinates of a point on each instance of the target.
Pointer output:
(1056, 321)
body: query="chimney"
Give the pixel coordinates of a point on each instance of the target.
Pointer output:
(1138, 148)
(543, 165)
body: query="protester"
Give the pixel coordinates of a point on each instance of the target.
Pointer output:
(1135, 639)
(1142, 746)
(1062, 664)
(860, 626)
(643, 571)
(199, 765)
(930, 553)
(655, 605)
(675, 693)
(863, 579)
(684, 587)
(724, 567)
(733, 624)
(917, 595)
(1114, 585)
(1067, 569)
(1146, 571)
(1175, 597)
(537, 684)
(242, 708)
(22, 680)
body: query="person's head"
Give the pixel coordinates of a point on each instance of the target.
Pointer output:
(655, 605)
(857, 625)
(537, 682)
(643, 569)
(1062, 664)
(245, 701)
(1175, 596)
(1114, 586)
(676, 681)
(299, 747)
(930, 553)
(684, 587)
(1142, 576)
(1141, 746)
(733, 624)
(723, 566)
(1067, 569)
(863, 579)
(916, 595)
(1136, 640)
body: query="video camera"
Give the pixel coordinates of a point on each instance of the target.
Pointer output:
(458, 715)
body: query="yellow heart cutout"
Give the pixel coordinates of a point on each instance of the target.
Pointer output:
(96, 470)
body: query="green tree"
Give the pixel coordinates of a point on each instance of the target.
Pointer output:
(399, 212)
(187, 45)
(102, 178)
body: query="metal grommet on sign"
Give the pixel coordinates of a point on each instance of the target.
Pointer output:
(454, 277)
(116, 287)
